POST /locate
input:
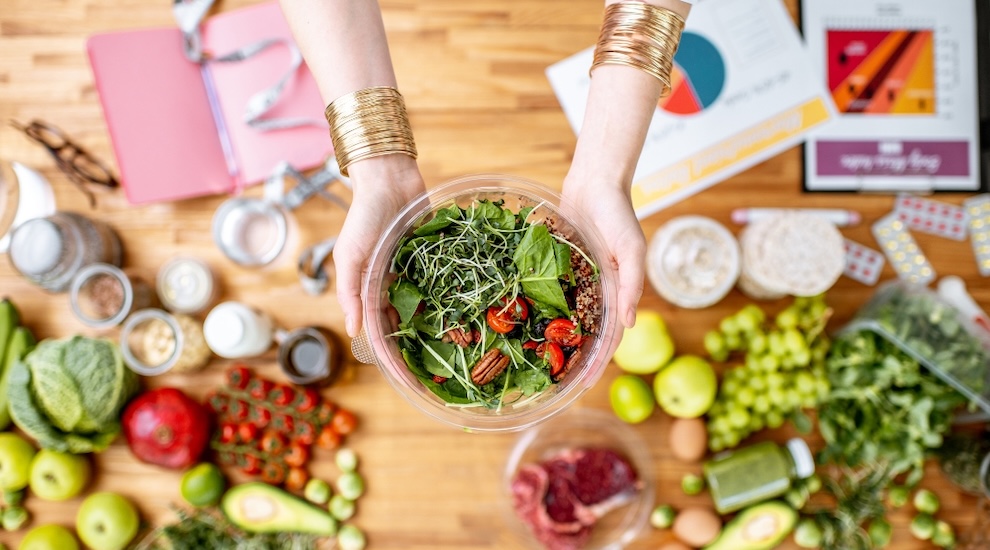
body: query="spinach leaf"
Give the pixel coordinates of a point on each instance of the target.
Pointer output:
(562, 253)
(531, 381)
(450, 391)
(443, 218)
(405, 297)
(494, 214)
(536, 262)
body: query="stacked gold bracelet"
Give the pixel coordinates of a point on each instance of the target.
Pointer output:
(640, 35)
(369, 123)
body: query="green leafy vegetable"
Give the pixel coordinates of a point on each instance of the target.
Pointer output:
(209, 529)
(67, 394)
(451, 271)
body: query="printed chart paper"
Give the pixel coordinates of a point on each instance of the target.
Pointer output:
(743, 91)
(902, 75)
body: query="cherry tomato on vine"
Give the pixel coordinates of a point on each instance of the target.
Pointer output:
(328, 438)
(563, 332)
(250, 465)
(296, 479)
(273, 442)
(273, 473)
(343, 422)
(247, 432)
(296, 455)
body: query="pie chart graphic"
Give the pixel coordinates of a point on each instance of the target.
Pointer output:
(697, 78)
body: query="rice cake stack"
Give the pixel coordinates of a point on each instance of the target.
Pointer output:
(790, 254)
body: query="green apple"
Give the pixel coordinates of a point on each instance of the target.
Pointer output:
(107, 521)
(49, 537)
(646, 347)
(631, 398)
(686, 388)
(16, 454)
(58, 476)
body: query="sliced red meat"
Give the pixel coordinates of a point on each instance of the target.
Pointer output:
(601, 474)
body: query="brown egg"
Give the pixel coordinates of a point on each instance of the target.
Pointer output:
(674, 545)
(697, 526)
(688, 439)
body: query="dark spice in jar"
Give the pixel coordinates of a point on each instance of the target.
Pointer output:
(107, 295)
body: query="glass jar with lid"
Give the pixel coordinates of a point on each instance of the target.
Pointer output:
(103, 295)
(186, 285)
(50, 251)
(153, 342)
(756, 473)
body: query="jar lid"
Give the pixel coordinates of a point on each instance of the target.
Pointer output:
(186, 285)
(101, 295)
(804, 462)
(36, 246)
(693, 261)
(224, 329)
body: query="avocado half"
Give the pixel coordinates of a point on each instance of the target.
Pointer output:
(261, 508)
(759, 527)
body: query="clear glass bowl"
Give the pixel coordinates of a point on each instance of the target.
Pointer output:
(582, 427)
(375, 346)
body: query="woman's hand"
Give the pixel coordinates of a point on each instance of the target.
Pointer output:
(382, 187)
(609, 209)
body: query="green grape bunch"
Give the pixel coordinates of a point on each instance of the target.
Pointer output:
(782, 370)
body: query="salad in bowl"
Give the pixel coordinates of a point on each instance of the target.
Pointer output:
(488, 304)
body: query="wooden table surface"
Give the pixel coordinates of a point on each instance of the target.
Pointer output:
(473, 77)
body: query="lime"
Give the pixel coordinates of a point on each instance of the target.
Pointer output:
(631, 398)
(202, 485)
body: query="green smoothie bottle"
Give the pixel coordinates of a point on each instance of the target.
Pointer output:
(756, 473)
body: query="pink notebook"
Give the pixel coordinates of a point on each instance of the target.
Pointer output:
(164, 133)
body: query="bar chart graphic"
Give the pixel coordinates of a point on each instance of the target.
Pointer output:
(889, 72)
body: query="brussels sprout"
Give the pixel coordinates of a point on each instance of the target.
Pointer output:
(808, 534)
(692, 484)
(663, 516)
(926, 502)
(923, 526)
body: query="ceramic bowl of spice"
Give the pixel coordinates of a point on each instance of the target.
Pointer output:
(102, 295)
(489, 305)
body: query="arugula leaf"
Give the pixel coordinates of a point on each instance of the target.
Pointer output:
(536, 262)
(405, 297)
(443, 218)
(439, 366)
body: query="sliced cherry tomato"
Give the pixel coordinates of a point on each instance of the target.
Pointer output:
(502, 319)
(247, 432)
(437, 379)
(250, 465)
(259, 388)
(497, 322)
(553, 355)
(563, 332)
(328, 439)
(296, 479)
(273, 473)
(308, 399)
(530, 344)
(296, 455)
(273, 442)
(282, 395)
(305, 432)
(239, 377)
(343, 422)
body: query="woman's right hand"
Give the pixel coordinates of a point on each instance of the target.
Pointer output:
(382, 186)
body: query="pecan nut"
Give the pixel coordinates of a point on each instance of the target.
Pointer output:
(568, 365)
(458, 336)
(489, 366)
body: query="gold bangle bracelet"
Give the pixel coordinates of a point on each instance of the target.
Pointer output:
(640, 35)
(369, 123)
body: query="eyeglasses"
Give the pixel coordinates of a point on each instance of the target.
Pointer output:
(74, 161)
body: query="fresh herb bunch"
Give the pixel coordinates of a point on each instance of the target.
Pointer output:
(884, 407)
(206, 529)
(452, 272)
(859, 500)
